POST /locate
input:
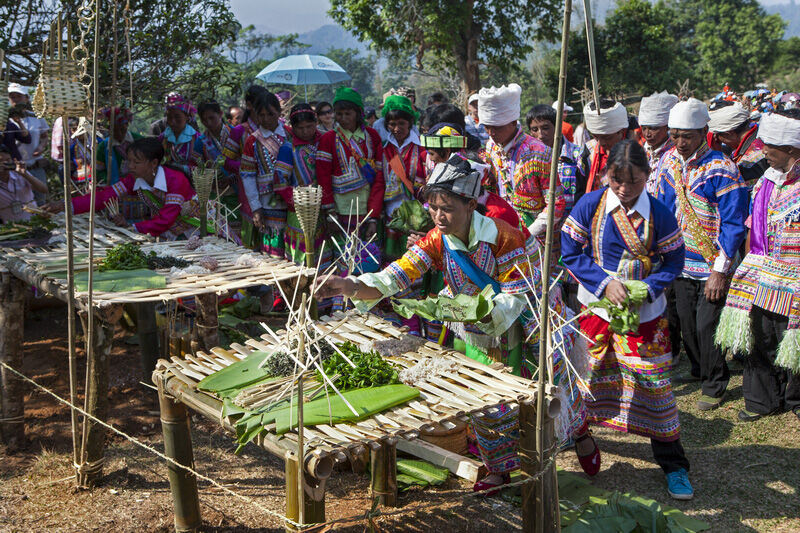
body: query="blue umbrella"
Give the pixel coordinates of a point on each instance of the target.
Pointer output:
(303, 70)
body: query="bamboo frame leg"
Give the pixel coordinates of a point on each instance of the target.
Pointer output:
(178, 446)
(12, 400)
(91, 469)
(207, 320)
(383, 469)
(313, 496)
(148, 337)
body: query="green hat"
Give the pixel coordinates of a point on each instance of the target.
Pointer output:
(348, 94)
(399, 103)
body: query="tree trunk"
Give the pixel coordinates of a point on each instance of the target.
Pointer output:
(465, 50)
(12, 388)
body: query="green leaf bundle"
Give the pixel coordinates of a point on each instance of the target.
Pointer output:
(411, 215)
(625, 319)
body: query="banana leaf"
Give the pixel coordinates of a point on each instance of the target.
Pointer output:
(462, 308)
(412, 472)
(227, 383)
(117, 280)
(411, 215)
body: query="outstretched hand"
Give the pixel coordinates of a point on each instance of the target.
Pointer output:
(334, 286)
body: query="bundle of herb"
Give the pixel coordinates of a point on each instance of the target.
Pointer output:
(411, 215)
(371, 369)
(625, 318)
(129, 256)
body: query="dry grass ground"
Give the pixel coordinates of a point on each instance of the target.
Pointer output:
(746, 476)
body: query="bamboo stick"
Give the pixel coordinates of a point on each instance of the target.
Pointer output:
(12, 389)
(544, 337)
(587, 15)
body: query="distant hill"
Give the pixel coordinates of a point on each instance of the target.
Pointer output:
(790, 13)
(330, 36)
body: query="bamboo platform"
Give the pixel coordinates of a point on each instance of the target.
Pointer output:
(467, 388)
(38, 268)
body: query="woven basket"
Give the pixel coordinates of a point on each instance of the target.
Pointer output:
(59, 91)
(307, 203)
(451, 437)
(203, 181)
(4, 105)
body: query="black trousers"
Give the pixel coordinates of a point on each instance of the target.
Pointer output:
(674, 322)
(669, 455)
(767, 388)
(699, 318)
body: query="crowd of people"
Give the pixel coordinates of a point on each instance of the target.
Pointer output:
(695, 204)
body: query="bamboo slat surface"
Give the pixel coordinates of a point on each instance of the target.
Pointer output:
(467, 387)
(45, 261)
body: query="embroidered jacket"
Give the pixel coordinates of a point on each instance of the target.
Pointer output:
(187, 152)
(601, 242)
(264, 169)
(521, 175)
(717, 195)
(570, 172)
(412, 156)
(654, 155)
(750, 157)
(170, 197)
(495, 247)
(341, 171)
(302, 159)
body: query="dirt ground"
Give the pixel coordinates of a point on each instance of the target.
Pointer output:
(746, 476)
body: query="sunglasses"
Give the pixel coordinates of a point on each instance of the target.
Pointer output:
(326, 112)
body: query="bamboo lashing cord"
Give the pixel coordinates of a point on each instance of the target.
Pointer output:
(466, 494)
(544, 313)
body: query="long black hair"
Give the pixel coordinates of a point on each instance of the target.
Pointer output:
(302, 113)
(250, 95)
(266, 100)
(148, 147)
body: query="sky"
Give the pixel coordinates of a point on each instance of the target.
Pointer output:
(295, 17)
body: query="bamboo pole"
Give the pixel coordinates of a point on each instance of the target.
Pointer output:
(12, 399)
(178, 446)
(71, 305)
(91, 358)
(544, 313)
(148, 337)
(587, 15)
(207, 319)
(301, 353)
(383, 470)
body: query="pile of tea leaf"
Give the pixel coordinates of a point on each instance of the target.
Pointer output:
(129, 256)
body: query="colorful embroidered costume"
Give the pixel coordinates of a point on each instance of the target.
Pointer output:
(628, 374)
(265, 169)
(185, 150)
(171, 201)
(569, 172)
(709, 199)
(750, 157)
(520, 173)
(769, 276)
(498, 250)
(654, 155)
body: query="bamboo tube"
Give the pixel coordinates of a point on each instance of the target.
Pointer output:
(300, 451)
(383, 468)
(178, 446)
(544, 336)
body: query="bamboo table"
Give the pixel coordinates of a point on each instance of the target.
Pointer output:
(39, 266)
(468, 388)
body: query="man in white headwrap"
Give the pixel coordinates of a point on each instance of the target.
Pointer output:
(472, 120)
(733, 133)
(706, 192)
(519, 164)
(653, 118)
(608, 127)
(763, 323)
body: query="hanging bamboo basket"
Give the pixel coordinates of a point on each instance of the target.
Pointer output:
(307, 203)
(59, 91)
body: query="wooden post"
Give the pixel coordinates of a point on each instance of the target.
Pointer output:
(543, 493)
(207, 320)
(12, 400)
(383, 468)
(148, 337)
(90, 469)
(178, 446)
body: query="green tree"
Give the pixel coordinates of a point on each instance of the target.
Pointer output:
(736, 41)
(462, 34)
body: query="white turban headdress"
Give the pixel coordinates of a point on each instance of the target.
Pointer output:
(607, 121)
(499, 106)
(727, 118)
(691, 114)
(779, 130)
(654, 109)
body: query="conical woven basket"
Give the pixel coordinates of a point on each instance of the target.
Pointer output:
(307, 203)
(59, 91)
(203, 182)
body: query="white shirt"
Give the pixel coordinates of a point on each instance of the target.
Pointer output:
(16, 192)
(36, 126)
(412, 138)
(159, 183)
(648, 310)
